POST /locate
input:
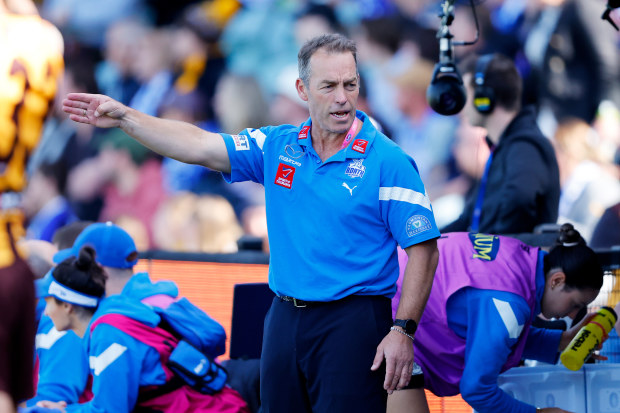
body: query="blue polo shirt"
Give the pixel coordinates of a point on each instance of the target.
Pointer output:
(334, 225)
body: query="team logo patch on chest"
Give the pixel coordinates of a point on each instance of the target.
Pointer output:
(284, 175)
(356, 169)
(359, 145)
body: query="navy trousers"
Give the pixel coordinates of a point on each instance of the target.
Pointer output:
(318, 358)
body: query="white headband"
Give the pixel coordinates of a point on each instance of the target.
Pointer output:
(71, 296)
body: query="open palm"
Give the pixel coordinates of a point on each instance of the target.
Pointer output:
(96, 110)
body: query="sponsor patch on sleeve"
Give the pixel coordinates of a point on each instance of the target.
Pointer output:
(284, 176)
(241, 142)
(359, 145)
(418, 224)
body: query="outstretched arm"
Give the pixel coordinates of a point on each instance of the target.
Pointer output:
(178, 140)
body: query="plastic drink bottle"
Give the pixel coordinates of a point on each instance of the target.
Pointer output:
(589, 338)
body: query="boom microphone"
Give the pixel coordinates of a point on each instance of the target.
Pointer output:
(446, 93)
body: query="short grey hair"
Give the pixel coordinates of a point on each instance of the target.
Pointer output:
(331, 43)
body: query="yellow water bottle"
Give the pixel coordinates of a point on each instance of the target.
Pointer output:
(589, 338)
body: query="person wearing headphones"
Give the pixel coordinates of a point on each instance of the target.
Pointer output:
(478, 320)
(520, 185)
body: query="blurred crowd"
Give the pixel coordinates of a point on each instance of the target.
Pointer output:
(225, 65)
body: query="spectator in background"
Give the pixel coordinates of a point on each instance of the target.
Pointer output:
(240, 103)
(219, 227)
(114, 73)
(86, 21)
(197, 60)
(39, 255)
(379, 40)
(187, 107)
(152, 67)
(285, 107)
(520, 187)
(44, 204)
(607, 230)
(191, 108)
(587, 186)
(573, 59)
(65, 236)
(32, 63)
(254, 224)
(315, 19)
(62, 140)
(192, 223)
(259, 40)
(127, 177)
(175, 225)
(422, 133)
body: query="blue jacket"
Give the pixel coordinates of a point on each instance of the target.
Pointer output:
(63, 364)
(120, 364)
(140, 287)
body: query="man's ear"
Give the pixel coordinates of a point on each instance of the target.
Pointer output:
(301, 90)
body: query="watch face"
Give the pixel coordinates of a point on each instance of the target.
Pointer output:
(408, 325)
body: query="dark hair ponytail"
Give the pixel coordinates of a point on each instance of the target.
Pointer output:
(578, 261)
(82, 273)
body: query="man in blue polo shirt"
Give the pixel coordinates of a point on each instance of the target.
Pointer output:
(340, 196)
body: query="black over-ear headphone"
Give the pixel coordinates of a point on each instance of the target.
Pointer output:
(446, 94)
(484, 96)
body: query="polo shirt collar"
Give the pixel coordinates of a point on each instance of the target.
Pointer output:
(358, 147)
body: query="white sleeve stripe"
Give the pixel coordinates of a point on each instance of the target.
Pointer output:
(46, 341)
(103, 360)
(396, 193)
(508, 317)
(258, 136)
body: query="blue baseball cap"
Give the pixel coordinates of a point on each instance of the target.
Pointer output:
(42, 285)
(113, 246)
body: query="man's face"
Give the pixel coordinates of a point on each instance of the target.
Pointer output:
(469, 111)
(332, 91)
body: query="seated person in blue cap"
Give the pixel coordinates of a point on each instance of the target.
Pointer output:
(116, 252)
(128, 373)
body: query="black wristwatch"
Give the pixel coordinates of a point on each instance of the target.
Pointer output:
(409, 325)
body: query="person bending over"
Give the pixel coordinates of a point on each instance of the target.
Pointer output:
(477, 322)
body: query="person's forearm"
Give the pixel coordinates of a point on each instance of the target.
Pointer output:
(418, 279)
(172, 139)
